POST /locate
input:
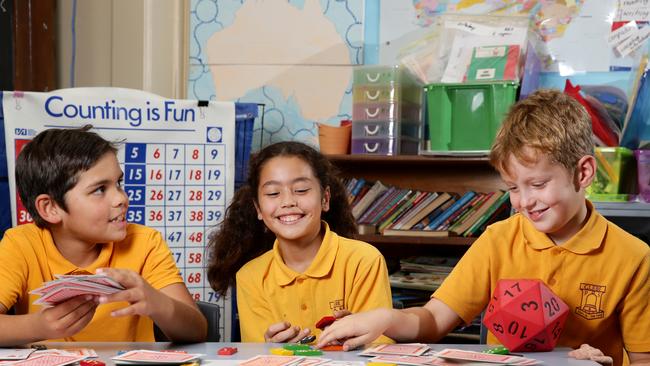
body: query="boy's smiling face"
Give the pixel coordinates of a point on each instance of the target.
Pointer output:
(96, 205)
(549, 195)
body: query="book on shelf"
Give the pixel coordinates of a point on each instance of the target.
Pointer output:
(477, 214)
(388, 204)
(477, 202)
(362, 192)
(418, 281)
(418, 205)
(402, 207)
(483, 197)
(368, 199)
(354, 190)
(392, 206)
(435, 213)
(435, 202)
(468, 206)
(428, 264)
(500, 203)
(448, 212)
(418, 233)
(363, 219)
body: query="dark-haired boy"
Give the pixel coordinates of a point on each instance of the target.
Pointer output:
(71, 183)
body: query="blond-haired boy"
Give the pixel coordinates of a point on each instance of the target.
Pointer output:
(544, 153)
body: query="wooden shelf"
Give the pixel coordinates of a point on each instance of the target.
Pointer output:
(623, 209)
(427, 173)
(408, 159)
(414, 240)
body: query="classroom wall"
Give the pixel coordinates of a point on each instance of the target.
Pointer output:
(137, 44)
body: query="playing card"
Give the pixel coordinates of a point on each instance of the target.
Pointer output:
(85, 352)
(457, 354)
(271, 360)
(404, 360)
(15, 353)
(343, 363)
(146, 356)
(412, 349)
(311, 361)
(96, 278)
(49, 360)
(65, 293)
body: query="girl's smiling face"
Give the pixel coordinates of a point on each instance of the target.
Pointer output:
(290, 200)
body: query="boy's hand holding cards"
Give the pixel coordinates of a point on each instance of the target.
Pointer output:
(65, 287)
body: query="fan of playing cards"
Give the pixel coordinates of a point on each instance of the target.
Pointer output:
(65, 287)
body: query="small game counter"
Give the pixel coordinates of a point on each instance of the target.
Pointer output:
(107, 350)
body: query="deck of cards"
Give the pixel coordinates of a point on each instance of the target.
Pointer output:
(141, 357)
(65, 287)
(48, 357)
(274, 360)
(418, 354)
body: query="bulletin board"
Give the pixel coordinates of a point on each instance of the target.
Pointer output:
(178, 159)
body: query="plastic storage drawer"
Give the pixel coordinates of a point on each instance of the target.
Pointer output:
(385, 129)
(387, 93)
(384, 146)
(382, 75)
(386, 112)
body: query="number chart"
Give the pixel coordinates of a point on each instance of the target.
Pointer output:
(178, 168)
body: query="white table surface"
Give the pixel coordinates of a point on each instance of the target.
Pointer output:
(107, 350)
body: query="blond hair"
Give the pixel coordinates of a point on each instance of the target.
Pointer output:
(548, 122)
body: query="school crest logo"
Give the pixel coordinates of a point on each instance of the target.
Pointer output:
(336, 305)
(591, 303)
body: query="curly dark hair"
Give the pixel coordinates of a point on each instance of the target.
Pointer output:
(243, 237)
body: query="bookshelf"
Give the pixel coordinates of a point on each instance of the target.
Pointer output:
(441, 174)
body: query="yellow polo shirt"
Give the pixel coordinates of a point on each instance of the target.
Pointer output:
(28, 257)
(345, 274)
(602, 273)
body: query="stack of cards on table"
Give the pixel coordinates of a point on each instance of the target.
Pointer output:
(469, 356)
(48, 357)
(141, 357)
(65, 287)
(421, 354)
(403, 354)
(274, 360)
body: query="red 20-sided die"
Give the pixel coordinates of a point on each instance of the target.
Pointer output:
(525, 315)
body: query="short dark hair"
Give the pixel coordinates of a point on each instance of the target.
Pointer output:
(50, 164)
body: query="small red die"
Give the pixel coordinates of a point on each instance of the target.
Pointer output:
(91, 363)
(227, 351)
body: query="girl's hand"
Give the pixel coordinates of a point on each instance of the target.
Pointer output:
(284, 333)
(355, 330)
(143, 299)
(587, 352)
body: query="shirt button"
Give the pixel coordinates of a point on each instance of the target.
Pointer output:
(552, 281)
(303, 307)
(300, 280)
